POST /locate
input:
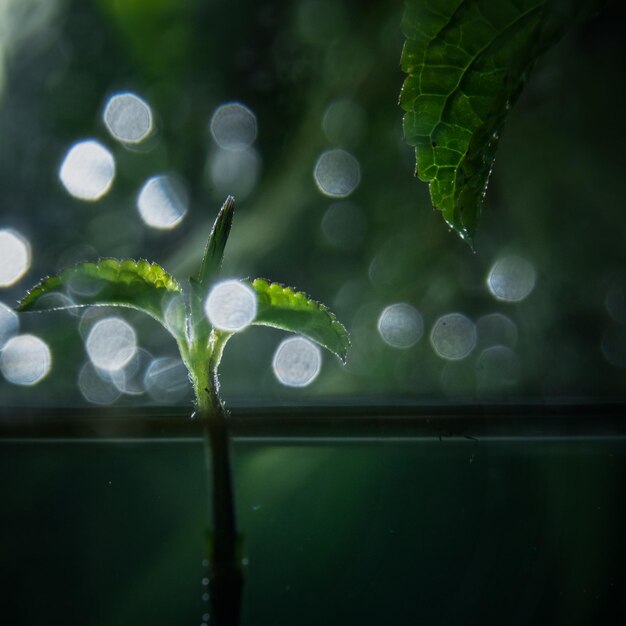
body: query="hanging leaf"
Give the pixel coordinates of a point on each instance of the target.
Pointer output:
(467, 62)
(282, 307)
(138, 285)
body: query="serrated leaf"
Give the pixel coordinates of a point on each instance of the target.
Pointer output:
(467, 61)
(139, 285)
(282, 307)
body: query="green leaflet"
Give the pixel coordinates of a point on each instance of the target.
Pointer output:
(282, 307)
(467, 62)
(139, 285)
(214, 253)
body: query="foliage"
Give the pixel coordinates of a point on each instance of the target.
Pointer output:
(467, 62)
(149, 288)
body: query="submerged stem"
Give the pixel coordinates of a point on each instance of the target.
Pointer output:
(225, 564)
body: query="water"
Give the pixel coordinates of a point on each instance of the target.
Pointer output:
(337, 530)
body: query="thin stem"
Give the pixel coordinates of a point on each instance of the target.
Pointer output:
(225, 566)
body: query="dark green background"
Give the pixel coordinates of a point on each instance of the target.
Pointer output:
(556, 197)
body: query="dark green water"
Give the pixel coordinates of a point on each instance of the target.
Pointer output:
(374, 532)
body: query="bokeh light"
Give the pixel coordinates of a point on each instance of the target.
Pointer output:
(495, 328)
(233, 172)
(453, 336)
(14, 256)
(344, 122)
(231, 306)
(25, 360)
(344, 225)
(111, 343)
(498, 370)
(128, 118)
(297, 362)
(87, 170)
(9, 324)
(400, 325)
(233, 126)
(162, 202)
(615, 301)
(614, 346)
(511, 279)
(166, 380)
(337, 173)
(95, 386)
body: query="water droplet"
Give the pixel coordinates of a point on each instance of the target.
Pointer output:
(453, 336)
(111, 344)
(400, 325)
(166, 380)
(233, 126)
(25, 360)
(511, 279)
(297, 362)
(128, 118)
(162, 202)
(87, 171)
(337, 173)
(9, 324)
(14, 256)
(231, 306)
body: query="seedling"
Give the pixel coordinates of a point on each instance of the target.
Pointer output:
(201, 325)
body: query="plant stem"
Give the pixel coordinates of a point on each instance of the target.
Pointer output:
(225, 566)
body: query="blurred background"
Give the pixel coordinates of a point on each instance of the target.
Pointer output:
(124, 124)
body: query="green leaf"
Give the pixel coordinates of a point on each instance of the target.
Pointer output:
(467, 62)
(209, 270)
(282, 307)
(214, 252)
(139, 285)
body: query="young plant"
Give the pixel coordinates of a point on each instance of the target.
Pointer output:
(201, 325)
